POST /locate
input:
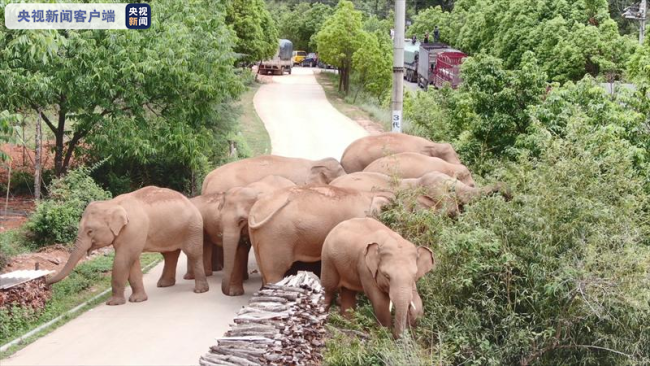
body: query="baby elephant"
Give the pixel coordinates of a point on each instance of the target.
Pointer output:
(150, 219)
(364, 255)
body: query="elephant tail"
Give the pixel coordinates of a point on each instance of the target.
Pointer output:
(255, 225)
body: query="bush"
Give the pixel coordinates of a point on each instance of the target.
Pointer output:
(559, 275)
(56, 218)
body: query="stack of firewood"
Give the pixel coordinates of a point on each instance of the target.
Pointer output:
(34, 294)
(284, 324)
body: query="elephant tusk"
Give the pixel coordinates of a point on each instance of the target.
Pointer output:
(413, 306)
(390, 306)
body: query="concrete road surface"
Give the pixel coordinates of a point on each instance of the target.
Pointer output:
(176, 326)
(300, 120)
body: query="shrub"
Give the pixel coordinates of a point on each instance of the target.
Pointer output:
(56, 218)
(558, 275)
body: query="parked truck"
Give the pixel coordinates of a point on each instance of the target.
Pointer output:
(437, 65)
(411, 55)
(281, 62)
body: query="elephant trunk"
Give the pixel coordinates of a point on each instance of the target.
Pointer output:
(401, 298)
(498, 188)
(80, 248)
(232, 282)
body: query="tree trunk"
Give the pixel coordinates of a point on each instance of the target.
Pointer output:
(37, 158)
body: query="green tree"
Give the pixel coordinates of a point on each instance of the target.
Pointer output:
(257, 36)
(373, 65)
(338, 40)
(114, 88)
(7, 122)
(302, 23)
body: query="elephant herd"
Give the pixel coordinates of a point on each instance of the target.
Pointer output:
(290, 210)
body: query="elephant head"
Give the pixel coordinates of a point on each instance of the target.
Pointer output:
(234, 223)
(100, 224)
(443, 151)
(324, 171)
(396, 265)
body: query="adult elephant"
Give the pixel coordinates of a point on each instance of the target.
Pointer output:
(436, 190)
(414, 165)
(233, 221)
(151, 219)
(243, 172)
(363, 255)
(209, 207)
(367, 149)
(291, 224)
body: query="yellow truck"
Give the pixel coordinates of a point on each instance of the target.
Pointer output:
(298, 56)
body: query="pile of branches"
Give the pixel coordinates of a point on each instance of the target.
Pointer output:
(34, 294)
(284, 324)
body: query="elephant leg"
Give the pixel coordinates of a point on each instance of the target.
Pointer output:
(121, 269)
(380, 305)
(217, 258)
(247, 244)
(137, 287)
(330, 279)
(168, 277)
(238, 270)
(348, 301)
(193, 248)
(207, 255)
(208, 247)
(273, 262)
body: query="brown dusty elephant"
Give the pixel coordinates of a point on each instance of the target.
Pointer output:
(243, 172)
(367, 149)
(363, 255)
(234, 223)
(414, 165)
(209, 207)
(437, 190)
(291, 224)
(151, 219)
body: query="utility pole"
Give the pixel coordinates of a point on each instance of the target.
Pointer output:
(638, 12)
(398, 65)
(642, 11)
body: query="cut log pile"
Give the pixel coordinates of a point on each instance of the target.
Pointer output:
(283, 324)
(34, 294)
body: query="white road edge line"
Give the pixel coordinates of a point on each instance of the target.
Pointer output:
(16, 341)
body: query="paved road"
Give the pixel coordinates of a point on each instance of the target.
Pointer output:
(176, 326)
(300, 120)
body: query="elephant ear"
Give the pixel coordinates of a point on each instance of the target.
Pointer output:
(425, 261)
(318, 175)
(379, 201)
(371, 255)
(117, 220)
(222, 201)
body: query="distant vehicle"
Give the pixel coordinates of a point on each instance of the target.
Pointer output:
(298, 56)
(411, 53)
(281, 62)
(438, 64)
(310, 60)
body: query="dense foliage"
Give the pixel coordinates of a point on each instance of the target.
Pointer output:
(373, 70)
(301, 23)
(338, 40)
(155, 96)
(570, 39)
(56, 219)
(257, 35)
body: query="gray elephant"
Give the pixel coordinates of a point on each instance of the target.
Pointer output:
(367, 149)
(363, 255)
(233, 221)
(436, 190)
(413, 165)
(291, 224)
(243, 172)
(151, 219)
